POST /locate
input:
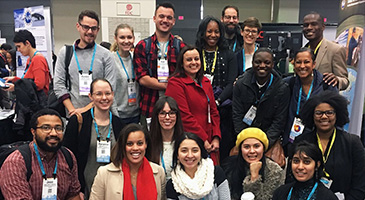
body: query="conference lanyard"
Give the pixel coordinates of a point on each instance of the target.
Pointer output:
(30, 61)
(319, 44)
(310, 195)
(244, 58)
(325, 157)
(159, 47)
(41, 164)
(125, 70)
(209, 119)
(162, 161)
(300, 95)
(92, 60)
(262, 95)
(234, 46)
(96, 126)
(214, 61)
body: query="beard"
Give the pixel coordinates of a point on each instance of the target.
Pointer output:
(230, 30)
(45, 147)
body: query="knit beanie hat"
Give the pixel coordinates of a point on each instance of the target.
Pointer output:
(252, 132)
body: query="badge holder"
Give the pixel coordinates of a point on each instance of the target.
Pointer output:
(162, 70)
(132, 93)
(85, 80)
(49, 189)
(296, 129)
(250, 115)
(103, 151)
(209, 77)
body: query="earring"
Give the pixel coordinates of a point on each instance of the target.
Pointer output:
(312, 73)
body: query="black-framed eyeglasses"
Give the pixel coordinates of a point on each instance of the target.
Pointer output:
(329, 113)
(248, 31)
(48, 128)
(87, 28)
(227, 17)
(171, 113)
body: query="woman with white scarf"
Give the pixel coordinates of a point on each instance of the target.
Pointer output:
(194, 176)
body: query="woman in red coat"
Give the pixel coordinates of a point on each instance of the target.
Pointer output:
(194, 96)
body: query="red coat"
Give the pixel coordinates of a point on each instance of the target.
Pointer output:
(193, 104)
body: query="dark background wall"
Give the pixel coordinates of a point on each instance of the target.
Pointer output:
(327, 8)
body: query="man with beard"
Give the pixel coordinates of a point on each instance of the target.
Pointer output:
(330, 57)
(230, 19)
(163, 50)
(51, 173)
(89, 61)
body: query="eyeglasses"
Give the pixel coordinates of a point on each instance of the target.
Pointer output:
(87, 28)
(48, 128)
(171, 113)
(101, 94)
(248, 31)
(227, 17)
(329, 113)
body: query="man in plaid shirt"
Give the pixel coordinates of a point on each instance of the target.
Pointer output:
(153, 81)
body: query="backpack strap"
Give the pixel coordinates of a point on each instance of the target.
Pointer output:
(27, 156)
(68, 157)
(176, 45)
(147, 50)
(68, 57)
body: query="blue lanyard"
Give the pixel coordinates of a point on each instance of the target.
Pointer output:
(205, 94)
(163, 162)
(310, 195)
(96, 126)
(125, 70)
(234, 46)
(159, 47)
(244, 58)
(300, 95)
(41, 164)
(271, 78)
(92, 60)
(30, 61)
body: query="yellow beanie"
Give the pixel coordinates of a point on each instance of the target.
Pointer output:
(252, 132)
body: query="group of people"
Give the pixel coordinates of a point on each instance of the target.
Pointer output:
(210, 115)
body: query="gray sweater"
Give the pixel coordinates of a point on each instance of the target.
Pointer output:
(103, 67)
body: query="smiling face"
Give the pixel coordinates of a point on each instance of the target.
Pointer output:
(212, 35)
(303, 64)
(313, 27)
(249, 34)
(191, 63)
(135, 148)
(51, 141)
(102, 95)
(85, 28)
(252, 150)
(230, 20)
(189, 155)
(164, 19)
(167, 118)
(303, 167)
(324, 123)
(124, 39)
(262, 65)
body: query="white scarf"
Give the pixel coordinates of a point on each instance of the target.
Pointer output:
(197, 187)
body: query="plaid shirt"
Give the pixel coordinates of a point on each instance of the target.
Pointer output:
(13, 179)
(150, 96)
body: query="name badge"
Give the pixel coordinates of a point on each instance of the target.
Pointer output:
(296, 129)
(250, 115)
(326, 182)
(132, 93)
(49, 189)
(103, 151)
(162, 70)
(209, 77)
(85, 80)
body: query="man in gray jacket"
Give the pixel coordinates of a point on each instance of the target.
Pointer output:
(89, 61)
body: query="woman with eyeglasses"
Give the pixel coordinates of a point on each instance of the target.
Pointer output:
(91, 139)
(166, 127)
(127, 91)
(306, 82)
(306, 167)
(130, 176)
(342, 153)
(194, 95)
(250, 30)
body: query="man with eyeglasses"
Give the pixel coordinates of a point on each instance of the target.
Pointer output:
(51, 172)
(230, 19)
(89, 61)
(330, 57)
(155, 66)
(250, 31)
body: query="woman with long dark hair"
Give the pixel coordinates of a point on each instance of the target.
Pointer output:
(166, 127)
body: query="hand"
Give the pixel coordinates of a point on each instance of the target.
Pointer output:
(208, 146)
(330, 79)
(254, 170)
(215, 144)
(10, 87)
(9, 79)
(77, 111)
